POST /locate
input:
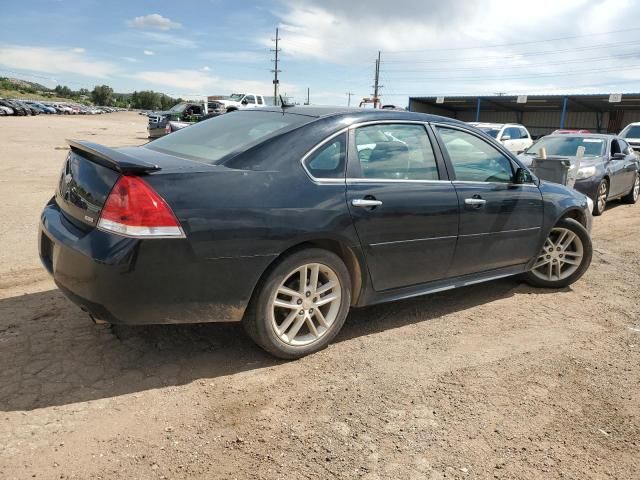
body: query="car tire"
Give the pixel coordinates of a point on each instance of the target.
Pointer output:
(565, 256)
(634, 193)
(290, 321)
(600, 202)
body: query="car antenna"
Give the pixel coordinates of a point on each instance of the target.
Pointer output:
(284, 104)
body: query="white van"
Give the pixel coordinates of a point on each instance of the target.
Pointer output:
(513, 136)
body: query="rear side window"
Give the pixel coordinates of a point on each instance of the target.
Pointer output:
(395, 152)
(473, 159)
(260, 101)
(215, 140)
(328, 161)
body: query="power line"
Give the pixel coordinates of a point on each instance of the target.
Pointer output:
(509, 66)
(531, 42)
(275, 70)
(518, 55)
(475, 78)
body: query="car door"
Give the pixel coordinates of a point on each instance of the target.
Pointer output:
(627, 167)
(500, 221)
(251, 101)
(404, 208)
(616, 168)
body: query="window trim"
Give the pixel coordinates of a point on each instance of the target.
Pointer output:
(318, 146)
(442, 172)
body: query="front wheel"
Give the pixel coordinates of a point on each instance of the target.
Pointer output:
(565, 256)
(634, 193)
(301, 305)
(601, 198)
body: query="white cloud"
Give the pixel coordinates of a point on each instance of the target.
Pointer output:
(153, 21)
(148, 52)
(206, 69)
(54, 60)
(194, 82)
(130, 59)
(425, 43)
(78, 50)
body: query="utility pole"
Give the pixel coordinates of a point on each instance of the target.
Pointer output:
(275, 70)
(349, 94)
(376, 83)
(308, 103)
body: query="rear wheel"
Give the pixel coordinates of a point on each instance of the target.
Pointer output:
(600, 202)
(564, 258)
(634, 193)
(301, 305)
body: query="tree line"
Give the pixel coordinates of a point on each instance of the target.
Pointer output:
(102, 95)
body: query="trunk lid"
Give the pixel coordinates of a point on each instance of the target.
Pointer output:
(89, 174)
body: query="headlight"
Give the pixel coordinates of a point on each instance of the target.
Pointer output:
(586, 172)
(590, 204)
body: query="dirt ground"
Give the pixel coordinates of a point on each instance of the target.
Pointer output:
(492, 381)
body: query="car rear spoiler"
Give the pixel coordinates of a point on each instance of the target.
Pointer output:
(112, 158)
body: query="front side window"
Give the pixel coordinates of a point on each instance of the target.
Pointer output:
(394, 152)
(513, 132)
(473, 159)
(328, 161)
(250, 99)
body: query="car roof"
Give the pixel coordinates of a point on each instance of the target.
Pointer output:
(357, 114)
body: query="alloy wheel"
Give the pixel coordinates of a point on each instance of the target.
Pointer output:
(306, 304)
(602, 196)
(561, 255)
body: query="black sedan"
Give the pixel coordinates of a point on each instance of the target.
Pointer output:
(608, 170)
(285, 218)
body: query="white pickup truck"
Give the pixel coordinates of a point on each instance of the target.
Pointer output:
(236, 101)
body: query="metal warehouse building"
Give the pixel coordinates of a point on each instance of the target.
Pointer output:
(541, 114)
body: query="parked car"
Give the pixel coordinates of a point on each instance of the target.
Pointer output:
(5, 110)
(44, 108)
(184, 112)
(631, 134)
(565, 131)
(608, 170)
(237, 101)
(516, 138)
(17, 107)
(262, 217)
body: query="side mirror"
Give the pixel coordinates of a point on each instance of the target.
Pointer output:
(245, 102)
(505, 137)
(618, 156)
(523, 176)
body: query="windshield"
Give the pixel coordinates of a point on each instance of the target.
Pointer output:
(631, 132)
(214, 141)
(492, 132)
(179, 108)
(567, 146)
(236, 97)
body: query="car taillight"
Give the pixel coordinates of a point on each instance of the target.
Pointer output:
(134, 209)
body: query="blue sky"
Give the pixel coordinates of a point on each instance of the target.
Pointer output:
(190, 47)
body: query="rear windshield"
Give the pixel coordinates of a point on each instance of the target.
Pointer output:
(215, 140)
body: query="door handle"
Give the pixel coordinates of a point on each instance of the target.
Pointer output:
(474, 202)
(361, 202)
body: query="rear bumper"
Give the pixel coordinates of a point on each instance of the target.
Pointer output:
(124, 280)
(156, 132)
